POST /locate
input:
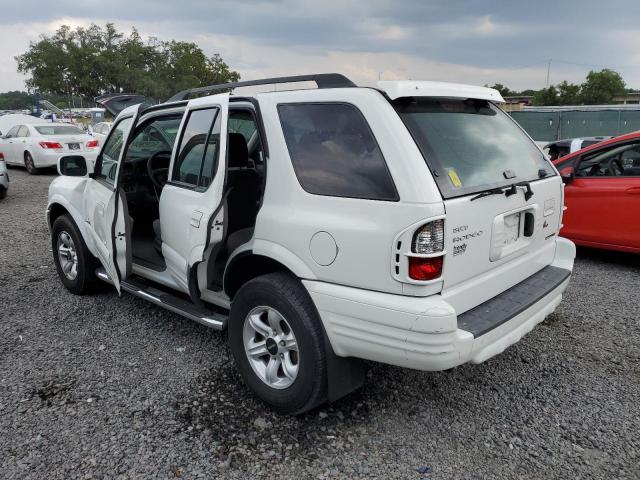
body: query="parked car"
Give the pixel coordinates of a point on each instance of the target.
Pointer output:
(415, 224)
(4, 177)
(41, 145)
(99, 131)
(560, 148)
(602, 194)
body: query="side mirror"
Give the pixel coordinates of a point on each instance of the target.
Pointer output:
(567, 174)
(72, 166)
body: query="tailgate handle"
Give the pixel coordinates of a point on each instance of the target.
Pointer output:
(529, 224)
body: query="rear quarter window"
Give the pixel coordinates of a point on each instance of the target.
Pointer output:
(334, 152)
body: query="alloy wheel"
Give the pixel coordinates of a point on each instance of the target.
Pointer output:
(271, 347)
(67, 255)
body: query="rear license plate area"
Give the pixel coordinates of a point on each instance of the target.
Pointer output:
(511, 228)
(74, 146)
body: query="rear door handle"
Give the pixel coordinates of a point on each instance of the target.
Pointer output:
(633, 191)
(196, 216)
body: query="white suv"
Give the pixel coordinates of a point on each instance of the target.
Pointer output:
(414, 224)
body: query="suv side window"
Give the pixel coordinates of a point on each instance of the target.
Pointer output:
(197, 157)
(334, 152)
(111, 152)
(616, 161)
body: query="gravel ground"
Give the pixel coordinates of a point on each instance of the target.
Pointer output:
(108, 387)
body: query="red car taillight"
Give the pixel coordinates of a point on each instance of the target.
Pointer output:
(92, 143)
(427, 240)
(1, 156)
(421, 268)
(50, 145)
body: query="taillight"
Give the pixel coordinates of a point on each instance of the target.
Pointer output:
(425, 268)
(427, 240)
(50, 145)
(1, 156)
(92, 143)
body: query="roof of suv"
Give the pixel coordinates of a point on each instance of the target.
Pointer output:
(410, 88)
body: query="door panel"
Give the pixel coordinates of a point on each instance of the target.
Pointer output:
(603, 210)
(105, 205)
(192, 197)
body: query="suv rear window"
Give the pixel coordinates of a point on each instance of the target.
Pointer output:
(471, 145)
(334, 152)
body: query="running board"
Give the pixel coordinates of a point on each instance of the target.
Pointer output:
(175, 304)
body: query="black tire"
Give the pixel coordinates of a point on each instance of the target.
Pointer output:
(3, 192)
(29, 165)
(287, 295)
(85, 279)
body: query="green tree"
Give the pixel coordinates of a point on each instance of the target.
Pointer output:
(600, 87)
(96, 60)
(546, 96)
(504, 91)
(569, 93)
(15, 100)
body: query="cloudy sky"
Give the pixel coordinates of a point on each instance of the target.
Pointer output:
(478, 42)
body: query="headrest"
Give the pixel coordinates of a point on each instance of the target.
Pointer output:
(237, 151)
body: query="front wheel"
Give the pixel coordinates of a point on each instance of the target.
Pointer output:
(276, 338)
(29, 165)
(75, 264)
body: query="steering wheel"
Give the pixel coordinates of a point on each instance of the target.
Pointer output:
(612, 170)
(159, 174)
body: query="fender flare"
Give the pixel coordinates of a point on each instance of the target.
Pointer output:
(58, 199)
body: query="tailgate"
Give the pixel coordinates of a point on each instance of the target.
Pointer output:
(497, 241)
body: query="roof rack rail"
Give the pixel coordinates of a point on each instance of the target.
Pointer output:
(323, 80)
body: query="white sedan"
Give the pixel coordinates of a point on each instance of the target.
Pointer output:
(41, 145)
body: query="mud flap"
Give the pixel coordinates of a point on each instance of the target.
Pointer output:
(344, 374)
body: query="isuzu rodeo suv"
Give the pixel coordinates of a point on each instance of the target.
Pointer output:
(414, 224)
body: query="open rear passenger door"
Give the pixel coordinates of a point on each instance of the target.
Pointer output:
(105, 206)
(191, 204)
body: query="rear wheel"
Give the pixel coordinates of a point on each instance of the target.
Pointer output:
(3, 192)
(276, 339)
(75, 264)
(29, 165)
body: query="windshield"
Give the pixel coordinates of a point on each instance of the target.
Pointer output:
(59, 130)
(471, 145)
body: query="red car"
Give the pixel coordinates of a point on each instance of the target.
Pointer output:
(602, 194)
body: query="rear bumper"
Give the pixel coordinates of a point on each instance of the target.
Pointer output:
(426, 333)
(44, 158)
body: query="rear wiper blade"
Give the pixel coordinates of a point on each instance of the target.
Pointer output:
(507, 191)
(491, 191)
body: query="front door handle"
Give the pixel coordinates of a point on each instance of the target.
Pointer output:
(196, 216)
(633, 191)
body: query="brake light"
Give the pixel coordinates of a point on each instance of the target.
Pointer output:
(421, 268)
(427, 240)
(92, 143)
(50, 145)
(1, 156)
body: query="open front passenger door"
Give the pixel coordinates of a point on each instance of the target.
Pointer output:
(105, 205)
